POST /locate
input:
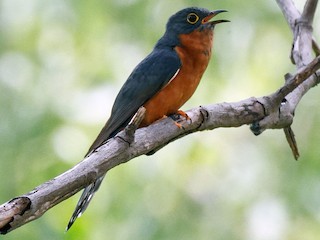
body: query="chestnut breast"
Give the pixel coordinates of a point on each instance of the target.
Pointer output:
(194, 52)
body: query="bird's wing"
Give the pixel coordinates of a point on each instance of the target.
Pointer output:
(149, 77)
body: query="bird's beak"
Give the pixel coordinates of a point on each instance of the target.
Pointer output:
(211, 15)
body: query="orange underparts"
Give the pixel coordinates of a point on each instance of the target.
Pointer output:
(194, 52)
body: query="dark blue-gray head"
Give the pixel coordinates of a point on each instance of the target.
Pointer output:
(189, 19)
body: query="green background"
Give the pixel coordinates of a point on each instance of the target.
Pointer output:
(62, 63)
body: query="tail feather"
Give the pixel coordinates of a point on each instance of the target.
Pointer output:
(84, 200)
(108, 131)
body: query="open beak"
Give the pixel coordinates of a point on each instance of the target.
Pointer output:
(212, 14)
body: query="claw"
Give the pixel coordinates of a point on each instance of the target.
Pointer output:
(178, 124)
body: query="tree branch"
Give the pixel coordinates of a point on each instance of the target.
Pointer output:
(272, 111)
(302, 48)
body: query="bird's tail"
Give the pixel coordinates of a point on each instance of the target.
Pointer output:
(84, 200)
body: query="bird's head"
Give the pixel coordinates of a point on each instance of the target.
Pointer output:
(189, 19)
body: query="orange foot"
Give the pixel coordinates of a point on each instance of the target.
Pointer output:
(177, 117)
(183, 114)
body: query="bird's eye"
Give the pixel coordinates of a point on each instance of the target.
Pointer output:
(192, 18)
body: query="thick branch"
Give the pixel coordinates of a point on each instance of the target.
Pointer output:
(117, 151)
(301, 26)
(289, 11)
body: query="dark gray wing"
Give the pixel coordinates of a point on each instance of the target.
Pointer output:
(149, 77)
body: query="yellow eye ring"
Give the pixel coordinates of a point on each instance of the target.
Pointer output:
(192, 18)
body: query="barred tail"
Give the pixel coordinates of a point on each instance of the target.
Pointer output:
(84, 200)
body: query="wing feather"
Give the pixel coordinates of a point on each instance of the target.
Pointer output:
(149, 77)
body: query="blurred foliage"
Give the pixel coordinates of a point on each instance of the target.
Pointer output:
(61, 64)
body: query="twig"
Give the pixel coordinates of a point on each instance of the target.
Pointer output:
(292, 142)
(309, 11)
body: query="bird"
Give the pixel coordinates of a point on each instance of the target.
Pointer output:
(162, 82)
